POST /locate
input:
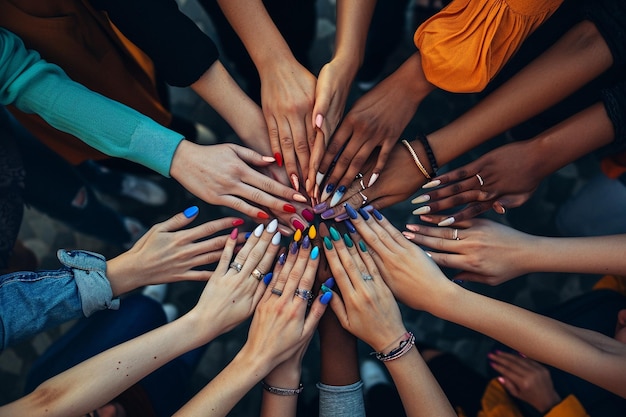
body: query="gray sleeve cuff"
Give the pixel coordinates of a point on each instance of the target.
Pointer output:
(94, 289)
(341, 401)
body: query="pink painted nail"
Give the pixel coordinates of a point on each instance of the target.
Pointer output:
(297, 224)
(308, 216)
(234, 234)
(319, 119)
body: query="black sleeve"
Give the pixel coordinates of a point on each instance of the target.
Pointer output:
(609, 16)
(180, 50)
(614, 99)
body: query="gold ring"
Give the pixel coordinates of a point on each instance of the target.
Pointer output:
(258, 274)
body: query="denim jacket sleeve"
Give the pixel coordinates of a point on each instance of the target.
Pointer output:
(31, 302)
(341, 401)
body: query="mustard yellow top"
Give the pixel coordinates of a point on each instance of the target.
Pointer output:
(465, 45)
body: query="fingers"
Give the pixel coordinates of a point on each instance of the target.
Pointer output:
(317, 153)
(180, 220)
(376, 230)
(261, 190)
(255, 249)
(469, 212)
(227, 254)
(349, 163)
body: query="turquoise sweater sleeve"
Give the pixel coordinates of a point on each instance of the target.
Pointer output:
(36, 86)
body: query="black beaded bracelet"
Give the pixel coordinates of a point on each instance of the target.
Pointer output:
(429, 153)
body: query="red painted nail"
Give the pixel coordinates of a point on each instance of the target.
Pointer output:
(297, 224)
(308, 216)
(279, 159)
(288, 208)
(234, 234)
(237, 222)
(262, 215)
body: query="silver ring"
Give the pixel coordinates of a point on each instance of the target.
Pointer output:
(362, 185)
(277, 292)
(237, 266)
(358, 176)
(258, 274)
(366, 277)
(455, 235)
(480, 180)
(306, 295)
(364, 197)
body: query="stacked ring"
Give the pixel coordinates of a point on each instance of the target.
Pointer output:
(258, 274)
(364, 197)
(236, 266)
(306, 295)
(366, 277)
(277, 291)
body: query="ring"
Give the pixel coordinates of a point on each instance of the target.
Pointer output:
(363, 187)
(258, 274)
(306, 295)
(455, 235)
(236, 265)
(277, 292)
(364, 197)
(480, 180)
(358, 176)
(366, 277)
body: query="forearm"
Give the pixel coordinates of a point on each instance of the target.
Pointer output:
(288, 377)
(335, 340)
(353, 20)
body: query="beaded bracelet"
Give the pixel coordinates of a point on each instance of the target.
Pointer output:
(416, 159)
(405, 345)
(429, 152)
(282, 391)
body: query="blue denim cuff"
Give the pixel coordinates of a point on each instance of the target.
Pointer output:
(89, 271)
(341, 401)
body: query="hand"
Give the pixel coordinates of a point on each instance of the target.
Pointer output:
(220, 175)
(485, 251)
(231, 295)
(525, 379)
(168, 254)
(503, 178)
(366, 302)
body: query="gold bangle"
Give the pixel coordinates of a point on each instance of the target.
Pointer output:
(416, 158)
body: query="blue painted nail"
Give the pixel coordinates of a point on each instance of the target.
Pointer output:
(325, 298)
(377, 214)
(328, 214)
(368, 208)
(347, 240)
(341, 217)
(328, 243)
(306, 242)
(338, 196)
(293, 249)
(334, 234)
(268, 277)
(362, 246)
(350, 226)
(330, 188)
(351, 212)
(330, 282)
(247, 235)
(364, 214)
(191, 211)
(315, 253)
(282, 258)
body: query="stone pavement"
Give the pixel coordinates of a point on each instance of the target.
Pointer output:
(44, 236)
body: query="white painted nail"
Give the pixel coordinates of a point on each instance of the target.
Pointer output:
(271, 228)
(276, 238)
(319, 177)
(446, 222)
(421, 199)
(258, 231)
(319, 119)
(373, 179)
(422, 210)
(431, 184)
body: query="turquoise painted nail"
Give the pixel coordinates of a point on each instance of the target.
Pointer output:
(328, 243)
(348, 241)
(362, 246)
(191, 211)
(334, 234)
(315, 253)
(325, 298)
(268, 277)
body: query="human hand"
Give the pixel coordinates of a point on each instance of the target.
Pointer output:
(233, 291)
(485, 251)
(503, 178)
(220, 175)
(525, 379)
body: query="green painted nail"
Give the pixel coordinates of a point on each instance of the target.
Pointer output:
(334, 234)
(348, 241)
(362, 246)
(328, 243)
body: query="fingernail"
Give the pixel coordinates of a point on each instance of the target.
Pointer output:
(299, 198)
(237, 222)
(297, 224)
(362, 246)
(341, 217)
(446, 222)
(330, 282)
(247, 235)
(347, 240)
(306, 242)
(325, 298)
(271, 228)
(350, 226)
(295, 182)
(315, 253)
(500, 378)
(364, 214)
(276, 238)
(293, 249)
(351, 212)
(268, 159)
(413, 227)
(321, 207)
(279, 159)
(334, 234)
(258, 231)
(328, 243)
(312, 232)
(422, 210)
(329, 189)
(297, 236)
(368, 208)
(319, 119)
(262, 215)
(338, 196)
(458, 282)
(328, 214)
(421, 199)
(373, 179)
(191, 211)
(234, 233)
(319, 177)
(282, 258)
(428, 254)
(308, 216)
(307, 183)
(377, 214)
(288, 208)
(268, 277)
(431, 184)
(408, 235)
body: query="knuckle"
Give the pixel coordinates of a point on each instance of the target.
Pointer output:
(286, 142)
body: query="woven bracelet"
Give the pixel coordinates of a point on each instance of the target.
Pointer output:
(282, 391)
(429, 152)
(401, 350)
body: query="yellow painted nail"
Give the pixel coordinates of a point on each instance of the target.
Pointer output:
(297, 236)
(312, 232)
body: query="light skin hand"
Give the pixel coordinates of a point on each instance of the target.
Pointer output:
(526, 380)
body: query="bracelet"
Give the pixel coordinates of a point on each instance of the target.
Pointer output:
(429, 152)
(405, 345)
(416, 159)
(282, 391)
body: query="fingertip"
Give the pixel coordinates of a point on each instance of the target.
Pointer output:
(191, 211)
(326, 297)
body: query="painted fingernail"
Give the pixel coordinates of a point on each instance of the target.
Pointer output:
(328, 243)
(312, 232)
(330, 282)
(319, 177)
(268, 278)
(351, 212)
(297, 224)
(307, 183)
(276, 238)
(297, 236)
(319, 119)
(234, 233)
(431, 184)
(446, 222)
(347, 240)
(315, 253)
(295, 181)
(271, 228)
(258, 231)
(362, 246)
(279, 159)
(368, 208)
(320, 208)
(268, 159)
(334, 234)
(377, 214)
(299, 198)
(293, 249)
(306, 242)
(308, 216)
(421, 199)
(422, 210)
(459, 282)
(316, 191)
(325, 298)
(341, 217)
(364, 214)
(350, 226)
(262, 215)
(247, 235)
(328, 214)
(430, 255)
(501, 380)
(408, 235)
(288, 208)
(338, 196)
(373, 179)
(329, 189)
(191, 211)
(282, 258)
(237, 222)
